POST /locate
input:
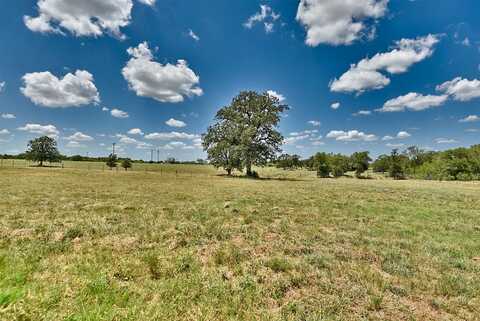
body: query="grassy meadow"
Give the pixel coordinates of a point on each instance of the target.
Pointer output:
(174, 242)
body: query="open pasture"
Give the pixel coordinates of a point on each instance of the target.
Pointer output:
(79, 244)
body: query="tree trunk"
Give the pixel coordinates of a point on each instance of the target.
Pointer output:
(249, 170)
(229, 171)
(41, 163)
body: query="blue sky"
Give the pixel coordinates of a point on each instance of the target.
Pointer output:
(399, 72)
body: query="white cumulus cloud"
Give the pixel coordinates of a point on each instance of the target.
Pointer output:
(339, 22)
(175, 123)
(171, 135)
(403, 135)
(362, 113)
(366, 74)
(135, 131)
(395, 145)
(442, 140)
(414, 102)
(125, 140)
(165, 83)
(461, 89)
(73, 90)
(117, 113)
(470, 119)
(80, 137)
(351, 136)
(75, 144)
(46, 130)
(8, 116)
(82, 18)
(335, 105)
(314, 123)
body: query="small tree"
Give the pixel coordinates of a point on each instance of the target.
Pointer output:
(339, 164)
(381, 164)
(286, 161)
(360, 162)
(396, 169)
(321, 165)
(43, 149)
(126, 163)
(112, 161)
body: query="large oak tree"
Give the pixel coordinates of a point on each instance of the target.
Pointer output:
(245, 132)
(43, 149)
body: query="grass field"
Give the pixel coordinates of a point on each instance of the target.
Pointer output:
(80, 244)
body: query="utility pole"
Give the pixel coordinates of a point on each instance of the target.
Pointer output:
(113, 148)
(158, 155)
(151, 155)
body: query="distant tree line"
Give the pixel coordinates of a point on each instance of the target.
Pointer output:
(461, 164)
(455, 164)
(44, 149)
(328, 165)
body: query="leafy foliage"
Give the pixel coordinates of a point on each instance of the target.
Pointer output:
(43, 149)
(396, 170)
(321, 165)
(112, 161)
(360, 162)
(126, 163)
(221, 143)
(245, 132)
(455, 164)
(286, 161)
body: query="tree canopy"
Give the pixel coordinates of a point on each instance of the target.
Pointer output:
(112, 161)
(245, 132)
(126, 163)
(43, 149)
(360, 162)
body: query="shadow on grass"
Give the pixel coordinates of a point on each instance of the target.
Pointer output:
(364, 177)
(44, 166)
(280, 179)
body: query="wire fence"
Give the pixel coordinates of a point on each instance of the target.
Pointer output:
(179, 170)
(175, 169)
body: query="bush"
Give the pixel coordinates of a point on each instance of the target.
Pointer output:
(126, 164)
(254, 175)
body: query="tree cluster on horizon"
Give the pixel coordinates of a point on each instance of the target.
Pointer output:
(453, 164)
